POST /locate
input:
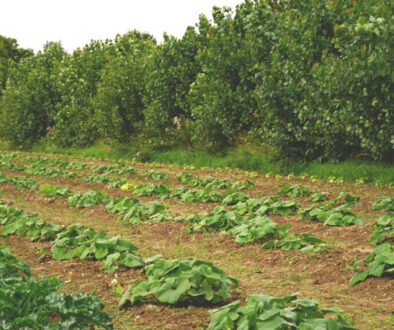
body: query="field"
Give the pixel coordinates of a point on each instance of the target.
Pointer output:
(242, 233)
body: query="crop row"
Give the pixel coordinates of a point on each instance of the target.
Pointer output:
(118, 169)
(340, 216)
(176, 281)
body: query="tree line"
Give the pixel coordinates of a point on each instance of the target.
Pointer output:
(306, 79)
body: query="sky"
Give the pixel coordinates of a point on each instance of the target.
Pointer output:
(75, 22)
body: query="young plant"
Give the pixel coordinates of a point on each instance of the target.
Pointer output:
(36, 303)
(340, 216)
(90, 198)
(55, 191)
(382, 227)
(97, 178)
(293, 190)
(380, 262)
(264, 311)
(383, 203)
(256, 228)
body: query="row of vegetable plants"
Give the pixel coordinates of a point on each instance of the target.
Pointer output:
(250, 229)
(121, 169)
(197, 282)
(247, 230)
(168, 281)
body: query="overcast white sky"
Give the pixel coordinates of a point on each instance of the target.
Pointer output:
(76, 22)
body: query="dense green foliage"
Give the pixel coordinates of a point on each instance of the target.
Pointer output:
(264, 311)
(36, 303)
(10, 53)
(181, 281)
(306, 79)
(380, 262)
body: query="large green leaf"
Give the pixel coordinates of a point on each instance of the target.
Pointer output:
(172, 290)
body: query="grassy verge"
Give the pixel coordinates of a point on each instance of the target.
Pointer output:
(248, 158)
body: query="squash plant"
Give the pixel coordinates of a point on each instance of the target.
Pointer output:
(55, 191)
(82, 242)
(263, 311)
(383, 203)
(380, 262)
(90, 198)
(384, 225)
(293, 190)
(339, 216)
(180, 281)
(36, 303)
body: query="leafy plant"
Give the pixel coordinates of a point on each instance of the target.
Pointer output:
(219, 219)
(251, 205)
(201, 196)
(55, 191)
(293, 190)
(50, 172)
(104, 168)
(210, 182)
(380, 260)
(317, 196)
(384, 225)
(90, 198)
(97, 178)
(256, 228)
(303, 242)
(10, 266)
(132, 210)
(82, 242)
(154, 175)
(264, 311)
(383, 203)
(339, 216)
(22, 182)
(232, 198)
(344, 198)
(280, 207)
(180, 281)
(27, 302)
(117, 183)
(150, 189)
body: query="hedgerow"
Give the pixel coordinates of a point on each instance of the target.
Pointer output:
(306, 79)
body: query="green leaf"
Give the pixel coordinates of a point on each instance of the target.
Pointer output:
(101, 252)
(172, 290)
(359, 277)
(132, 261)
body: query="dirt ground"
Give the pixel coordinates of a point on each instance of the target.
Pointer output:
(322, 276)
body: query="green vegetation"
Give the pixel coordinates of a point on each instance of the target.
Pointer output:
(78, 241)
(380, 262)
(383, 203)
(382, 227)
(210, 182)
(181, 281)
(55, 191)
(263, 311)
(293, 190)
(90, 198)
(276, 73)
(27, 302)
(185, 282)
(339, 216)
(75, 241)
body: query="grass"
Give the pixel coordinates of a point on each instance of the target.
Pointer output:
(247, 157)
